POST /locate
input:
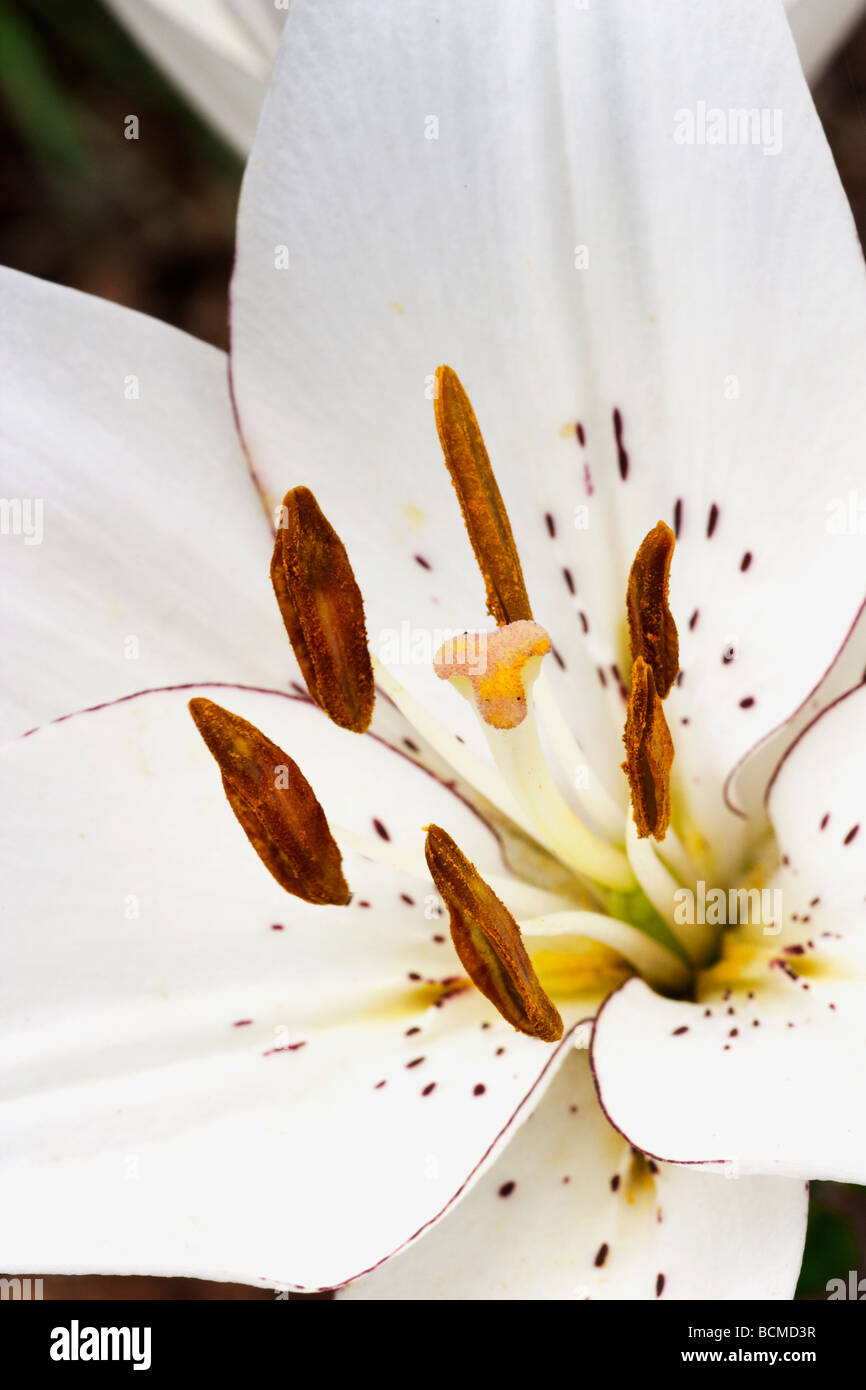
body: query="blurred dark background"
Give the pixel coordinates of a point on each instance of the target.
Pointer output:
(156, 234)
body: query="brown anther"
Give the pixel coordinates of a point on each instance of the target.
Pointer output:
(487, 939)
(481, 503)
(649, 754)
(323, 611)
(275, 805)
(652, 632)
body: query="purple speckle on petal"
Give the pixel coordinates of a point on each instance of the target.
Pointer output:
(622, 452)
(290, 1047)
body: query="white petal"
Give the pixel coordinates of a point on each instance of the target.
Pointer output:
(121, 460)
(764, 1077)
(158, 1113)
(214, 57)
(213, 25)
(369, 252)
(263, 20)
(817, 804)
(569, 1211)
(819, 28)
(220, 51)
(749, 782)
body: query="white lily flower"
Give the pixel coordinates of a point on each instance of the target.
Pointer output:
(205, 1076)
(220, 52)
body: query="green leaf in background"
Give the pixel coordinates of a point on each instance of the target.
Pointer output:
(832, 1246)
(38, 105)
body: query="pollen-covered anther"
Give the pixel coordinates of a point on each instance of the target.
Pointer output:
(492, 668)
(275, 805)
(649, 754)
(323, 611)
(488, 941)
(481, 503)
(652, 631)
